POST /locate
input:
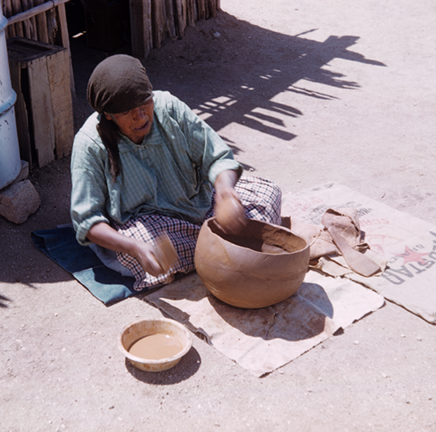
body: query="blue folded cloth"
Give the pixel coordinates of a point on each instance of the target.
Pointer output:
(60, 245)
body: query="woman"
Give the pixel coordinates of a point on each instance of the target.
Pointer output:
(144, 164)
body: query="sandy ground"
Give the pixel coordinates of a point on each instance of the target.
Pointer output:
(305, 92)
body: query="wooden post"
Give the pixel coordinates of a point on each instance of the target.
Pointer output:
(212, 6)
(10, 30)
(52, 26)
(29, 27)
(41, 22)
(201, 9)
(140, 23)
(158, 22)
(16, 9)
(31, 4)
(181, 17)
(170, 19)
(191, 12)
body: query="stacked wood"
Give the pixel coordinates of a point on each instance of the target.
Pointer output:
(152, 21)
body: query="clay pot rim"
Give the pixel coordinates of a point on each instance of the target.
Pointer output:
(152, 362)
(213, 218)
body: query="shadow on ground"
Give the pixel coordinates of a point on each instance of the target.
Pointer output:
(188, 366)
(228, 70)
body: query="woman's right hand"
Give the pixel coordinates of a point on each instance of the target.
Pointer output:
(146, 256)
(155, 260)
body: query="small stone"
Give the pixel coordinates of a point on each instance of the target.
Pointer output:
(356, 342)
(19, 201)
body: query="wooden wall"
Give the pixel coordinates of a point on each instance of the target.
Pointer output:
(48, 26)
(152, 21)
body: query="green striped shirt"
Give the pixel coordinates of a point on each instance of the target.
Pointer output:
(170, 173)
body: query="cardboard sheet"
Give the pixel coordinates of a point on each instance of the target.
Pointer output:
(262, 340)
(406, 243)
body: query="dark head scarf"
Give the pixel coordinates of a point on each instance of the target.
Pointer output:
(118, 84)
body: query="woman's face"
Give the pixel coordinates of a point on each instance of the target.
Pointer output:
(136, 123)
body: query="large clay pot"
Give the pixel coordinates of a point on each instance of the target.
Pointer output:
(263, 265)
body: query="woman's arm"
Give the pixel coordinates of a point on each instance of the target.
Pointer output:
(104, 235)
(228, 208)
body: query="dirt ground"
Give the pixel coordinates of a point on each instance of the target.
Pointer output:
(305, 92)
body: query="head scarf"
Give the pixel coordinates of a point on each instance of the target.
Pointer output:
(118, 84)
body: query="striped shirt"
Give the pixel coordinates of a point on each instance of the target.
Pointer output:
(171, 173)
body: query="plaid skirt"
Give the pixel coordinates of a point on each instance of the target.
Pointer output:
(260, 198)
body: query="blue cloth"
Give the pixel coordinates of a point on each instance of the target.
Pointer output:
(61, 246)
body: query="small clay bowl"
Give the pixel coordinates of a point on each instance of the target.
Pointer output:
(261, 266)
(137, 330)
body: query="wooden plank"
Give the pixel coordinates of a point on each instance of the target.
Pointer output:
(24, 50)
(61, 100)
(66, 42)
(21, 113)
(41, 112)
(140, 24)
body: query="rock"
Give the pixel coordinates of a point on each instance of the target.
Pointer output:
(19, 201)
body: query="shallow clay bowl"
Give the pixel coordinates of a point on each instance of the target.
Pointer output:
(139, 329)
(262, 266)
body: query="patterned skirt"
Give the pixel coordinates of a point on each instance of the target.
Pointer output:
(260, 198)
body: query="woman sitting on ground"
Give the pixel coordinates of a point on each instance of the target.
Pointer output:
(144, 164)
